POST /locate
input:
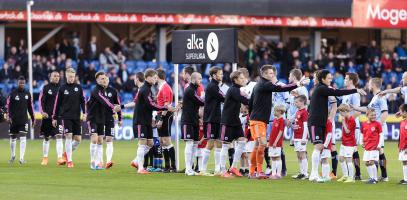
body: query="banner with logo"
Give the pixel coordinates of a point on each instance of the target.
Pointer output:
(204, 46)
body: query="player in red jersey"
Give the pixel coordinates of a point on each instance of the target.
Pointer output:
(371, 135)
(403, 142)
(300, 136)
(276, 142)
(348, 144)
(326, 152)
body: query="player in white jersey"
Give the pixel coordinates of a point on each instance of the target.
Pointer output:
(379, 104)
(278, 98)
(351, 80)
(402, 89)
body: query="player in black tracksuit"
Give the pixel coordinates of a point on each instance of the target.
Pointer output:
(47, 100)
(318, 114)
(67, 111)
(231, 127)
(19, 102)
(190, 120)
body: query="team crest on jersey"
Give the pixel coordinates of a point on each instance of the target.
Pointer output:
(76, 89)
(17, 98)
(26, 97)
(142, 134)
(109, 94)
(66, 92)
(373, 129)
(276, 125)
(50, 92)
(226, 138)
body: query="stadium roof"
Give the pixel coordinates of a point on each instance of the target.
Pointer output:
(314, 8)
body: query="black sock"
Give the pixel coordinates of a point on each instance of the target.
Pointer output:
(171, 152)
(151, 157)
(197, 163)
(231, 153)
(146, 160)
(356, 163)
(166, 158)
(267, 157)
(284, 166)
(334, 158)
(383, 163)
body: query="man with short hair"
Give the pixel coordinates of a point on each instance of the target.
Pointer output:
(47, 100)
(19, 102)
(67, 113)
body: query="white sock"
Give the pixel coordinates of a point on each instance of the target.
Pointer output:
(238, 152)
(194, 151)
(100, 153)
(45, 148)
(205, 158)
(405, 172)
(350, 169)
(75, 145)
(23, 144)
(274, 167)
(140, 156)
(279, 166)
(13, 144)
(189, 145)
(374, 171)
(304, 164)
(223, 157)
(109, 151)
(370, 171)
(316, 158)
(344, 167)
(200, 163)
(68, 149)
(217, 159)
(93, 148)
(60, 147)
(325, 170)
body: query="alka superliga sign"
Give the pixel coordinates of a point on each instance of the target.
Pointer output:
(204, 46)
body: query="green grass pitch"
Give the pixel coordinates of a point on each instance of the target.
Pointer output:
(33, 181)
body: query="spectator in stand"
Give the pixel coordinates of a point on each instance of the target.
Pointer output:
(136, 51)
(227, 70)
(56, 52)
(250, 58)
(17, 72)
(331, 67)
(263, 49)
(90, 74)
(365, 73)
(397, 63)
(108, 59)
(342, 67)
(123, 74)
(387, 63)
(265, 60)
(372, 52)
(6, 73)
(304, 52)
(68, 49)
(349, 51)
(117, 84)
(377, 67)
(281, 53)
(121, 59)
(339, 80)
(21, 46)
(402, 53)
(92, 49)
(7, 47)
(129, 85)
(13, 58)
(351, 67)
(76, 45)
(149, 49)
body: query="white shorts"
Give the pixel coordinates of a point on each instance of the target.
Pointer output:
(326, 153)
(346, 152)
(249, 147)
(275, 152)
(199, 152)
(403, 155)
(371, 155)
(385, 132)
(299, 147)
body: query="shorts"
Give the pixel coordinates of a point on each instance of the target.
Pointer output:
(96, 128)
(231, 133)
(143, 131)
(403, 155)
(372, 155)
(274, 152)
(317, 134)
(258, 129)
(346, 151)
(70, 126)
(109, 128)
(47, 130)
(211, 131)
(249, 146)
(165, 130)
(326, 153)
(298, 147)
(199, 152)
(385, 132)
(190, 132)
(18, 128)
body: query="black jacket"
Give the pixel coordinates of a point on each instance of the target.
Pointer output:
(318, 110)
(260, 102)
(97, 105)
(190, 105)
(231, 107)
(69, 101)
(213, 98)
(145, 106)
(18, 104)
(47, 98)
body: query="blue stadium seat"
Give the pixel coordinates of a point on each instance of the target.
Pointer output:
(152, 65)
